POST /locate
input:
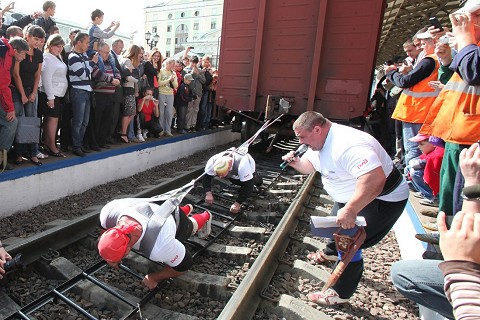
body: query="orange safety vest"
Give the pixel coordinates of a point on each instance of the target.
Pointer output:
(415, 102)
(455, 114)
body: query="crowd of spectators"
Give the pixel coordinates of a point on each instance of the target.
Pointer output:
(435, 97)
(88, 94)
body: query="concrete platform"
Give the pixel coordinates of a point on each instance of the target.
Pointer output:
(28, 186)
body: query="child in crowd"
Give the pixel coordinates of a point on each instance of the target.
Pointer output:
(148, 113)
(182, 97)
(424, 171)
(45, 20)
(97, 35)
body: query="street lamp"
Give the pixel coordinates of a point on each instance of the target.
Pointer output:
(152, 42)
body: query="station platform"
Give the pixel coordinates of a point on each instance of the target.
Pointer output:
(412, 222)
(29, 185)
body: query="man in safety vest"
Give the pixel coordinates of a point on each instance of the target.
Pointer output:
(455, 114)
(417, 96)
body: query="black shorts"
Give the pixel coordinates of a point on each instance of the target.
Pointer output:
(45, 111)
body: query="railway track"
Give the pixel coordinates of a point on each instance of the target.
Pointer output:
(45, 251)
(252, 266)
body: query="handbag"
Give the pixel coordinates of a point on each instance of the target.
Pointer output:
(28, 130)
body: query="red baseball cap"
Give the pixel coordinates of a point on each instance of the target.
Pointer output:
(113, 243)
(419, 137)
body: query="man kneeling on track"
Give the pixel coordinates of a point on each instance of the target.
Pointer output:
(240, 169)
(141, 226)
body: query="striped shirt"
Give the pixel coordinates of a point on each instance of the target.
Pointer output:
(79, 71)
(105, 87)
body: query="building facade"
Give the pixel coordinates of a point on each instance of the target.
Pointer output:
(180, 24)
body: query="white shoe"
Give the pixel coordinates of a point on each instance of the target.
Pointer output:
(140, 137)
(328, 298)
(145, 134)
(204, 232)
(41, 155)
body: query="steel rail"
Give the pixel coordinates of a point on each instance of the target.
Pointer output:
(244, 302)
(60, 236)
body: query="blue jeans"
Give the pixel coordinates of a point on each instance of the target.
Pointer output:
(80, 115)
(410, 130)
(422, 282)
(419, 183)
(208, 115)
(130, 130)
(7, 130)
(203, 112)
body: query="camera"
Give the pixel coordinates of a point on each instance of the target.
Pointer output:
(388, 63)
(444, 39)
(15, 263)
(434, 22)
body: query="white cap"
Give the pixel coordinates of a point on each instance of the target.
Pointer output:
(469, 7)
(424, 35)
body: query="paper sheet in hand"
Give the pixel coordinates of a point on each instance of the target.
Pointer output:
(327, 226)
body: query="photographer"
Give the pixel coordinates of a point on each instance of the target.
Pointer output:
(4, 257)
(148, 112)
(205, 110)
(196, 88)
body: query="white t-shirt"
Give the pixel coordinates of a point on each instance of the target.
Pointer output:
(347, 154)
(246, 167)
(167, 249)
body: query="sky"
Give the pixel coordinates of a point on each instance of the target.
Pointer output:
(129, 13)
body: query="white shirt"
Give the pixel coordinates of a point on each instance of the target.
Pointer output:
(246, 167)
(167, 249)
(347, 154)
(54, 76)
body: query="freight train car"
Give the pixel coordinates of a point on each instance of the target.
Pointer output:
(283, 56)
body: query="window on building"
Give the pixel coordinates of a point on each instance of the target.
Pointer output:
(169, 40)
(195, 38)
(167, 53)
(169, 28)
(154, 29)
(182, 14)
(181, 34)
(214, 11)
(213, 25)
(195, 26)
(197, 13)
(170, 16)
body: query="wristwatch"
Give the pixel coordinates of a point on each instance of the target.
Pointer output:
(471, 192)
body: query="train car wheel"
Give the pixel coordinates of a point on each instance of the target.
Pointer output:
(248, 129)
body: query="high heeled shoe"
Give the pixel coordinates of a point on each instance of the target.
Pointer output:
(57, 154)
(37, 163)
(124, 138)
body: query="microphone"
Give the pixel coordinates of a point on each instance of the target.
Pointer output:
(472, 192)
(300, 151)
